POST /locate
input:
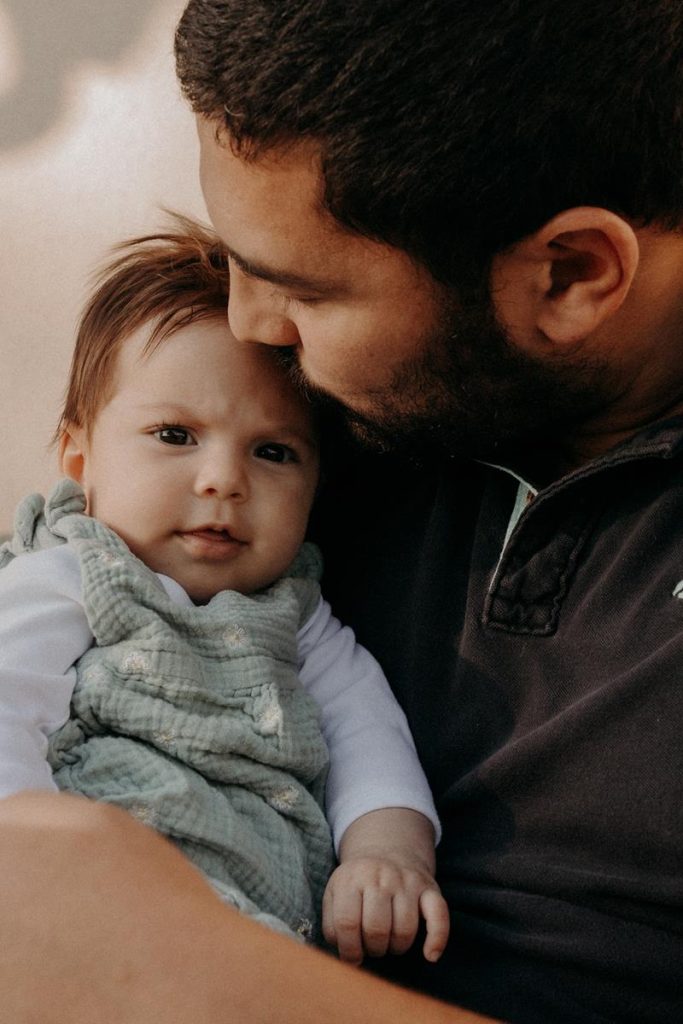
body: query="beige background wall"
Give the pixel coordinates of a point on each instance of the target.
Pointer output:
(94, 139)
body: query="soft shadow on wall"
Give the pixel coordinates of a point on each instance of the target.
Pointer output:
(95, 139)
(45, 39)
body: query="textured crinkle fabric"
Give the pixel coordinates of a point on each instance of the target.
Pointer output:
(36, 523)
(193, 718)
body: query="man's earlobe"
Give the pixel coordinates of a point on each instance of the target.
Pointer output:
(72, 453)
(573, 274)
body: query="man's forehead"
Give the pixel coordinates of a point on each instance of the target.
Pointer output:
(268, 211)
(291, 172)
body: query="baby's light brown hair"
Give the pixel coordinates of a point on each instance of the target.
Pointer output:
(170, 280)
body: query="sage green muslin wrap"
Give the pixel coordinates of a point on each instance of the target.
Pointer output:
(193, 718)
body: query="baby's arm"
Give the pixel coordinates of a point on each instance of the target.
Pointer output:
(43, 631)
(383, 885)
(378, 800)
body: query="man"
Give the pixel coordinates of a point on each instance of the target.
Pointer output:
(460, 221)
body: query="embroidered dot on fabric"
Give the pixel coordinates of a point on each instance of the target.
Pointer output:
(109, 559)
(95, 674)
(147, 815)
(135, 662)
(678, 590)
(235, 636)
(165, 738)
(269, 718)
(284, 799)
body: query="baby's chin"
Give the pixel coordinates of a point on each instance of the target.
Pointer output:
(201, 591)
(204, 578)
(201, 582)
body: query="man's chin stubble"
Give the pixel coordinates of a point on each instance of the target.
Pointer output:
(406, 433)
(492, 403)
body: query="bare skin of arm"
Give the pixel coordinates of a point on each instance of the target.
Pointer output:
(104, 922)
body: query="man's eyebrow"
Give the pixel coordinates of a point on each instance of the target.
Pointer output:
(282, 278)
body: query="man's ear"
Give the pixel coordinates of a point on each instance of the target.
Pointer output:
(560, 284)
(72, 453)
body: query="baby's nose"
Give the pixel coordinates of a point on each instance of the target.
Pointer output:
(224, 479)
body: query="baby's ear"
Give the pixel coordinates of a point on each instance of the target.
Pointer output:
(72, 453)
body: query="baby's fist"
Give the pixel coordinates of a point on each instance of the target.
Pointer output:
(373, 906)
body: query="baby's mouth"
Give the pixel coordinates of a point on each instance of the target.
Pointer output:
(210, 533)
(212, 541)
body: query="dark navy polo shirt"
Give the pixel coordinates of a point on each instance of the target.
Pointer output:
(544, 687)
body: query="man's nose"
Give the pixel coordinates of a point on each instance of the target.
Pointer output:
(253, 314)
(223, 477)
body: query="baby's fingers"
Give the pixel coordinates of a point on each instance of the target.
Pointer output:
(405, 923)
(377, 921)
(342, 915)
(434, 909)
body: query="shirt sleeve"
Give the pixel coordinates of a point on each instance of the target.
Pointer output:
(43, 632)
(373, 761)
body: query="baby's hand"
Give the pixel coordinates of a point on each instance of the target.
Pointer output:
(373, 905)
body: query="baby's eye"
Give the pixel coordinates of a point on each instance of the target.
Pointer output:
(174, 435)
(274, 452)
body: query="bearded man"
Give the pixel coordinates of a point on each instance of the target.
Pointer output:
(461, 224)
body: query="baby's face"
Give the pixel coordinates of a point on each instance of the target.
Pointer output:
(205, 460)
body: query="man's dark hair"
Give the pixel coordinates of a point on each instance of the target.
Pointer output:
(453, 128)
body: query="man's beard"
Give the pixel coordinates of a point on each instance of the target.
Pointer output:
(471, 392)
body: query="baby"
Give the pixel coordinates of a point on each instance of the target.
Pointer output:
(163, 642)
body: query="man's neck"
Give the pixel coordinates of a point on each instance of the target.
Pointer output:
(641, 345)
(545, 462)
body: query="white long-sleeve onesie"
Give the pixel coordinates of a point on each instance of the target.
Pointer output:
(44, 631)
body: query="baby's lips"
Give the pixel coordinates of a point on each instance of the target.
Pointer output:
(215, 533)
